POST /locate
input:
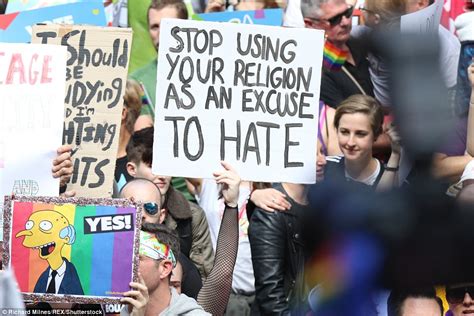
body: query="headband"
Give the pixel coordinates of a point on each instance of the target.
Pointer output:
(152, 248)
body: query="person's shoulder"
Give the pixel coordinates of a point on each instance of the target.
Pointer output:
(335, 159)
(335, 168)
(198, 214)
(140, 72)
(181, 304)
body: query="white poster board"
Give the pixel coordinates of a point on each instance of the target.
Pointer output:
(425, 21)
(247, 94)
(32, 90)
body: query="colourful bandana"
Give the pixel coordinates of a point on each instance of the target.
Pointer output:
(333, 57)
(152, 248)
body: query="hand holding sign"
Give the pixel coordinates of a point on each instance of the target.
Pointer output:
(138, 297)
(62, 164)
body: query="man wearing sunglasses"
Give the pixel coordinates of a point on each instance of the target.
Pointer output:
(461, 299)
(335, 18)
(173, 210)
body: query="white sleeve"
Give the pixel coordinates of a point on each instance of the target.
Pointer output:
(293, 16)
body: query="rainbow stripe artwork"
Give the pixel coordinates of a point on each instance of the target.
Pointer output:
(333, 57)
(91, 245)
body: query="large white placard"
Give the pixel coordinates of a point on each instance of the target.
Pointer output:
(246, 94)
(32, 91)
(425, 21)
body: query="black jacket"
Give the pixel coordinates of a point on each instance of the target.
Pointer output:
(277, 258)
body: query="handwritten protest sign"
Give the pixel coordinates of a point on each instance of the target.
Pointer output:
(262, 17)
(16, 27)
(95, 83)
(93, 242)
(425, 21)
(247, 94)
(30, 123)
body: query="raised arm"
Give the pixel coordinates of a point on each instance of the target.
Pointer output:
(214, 295)
(389, 178)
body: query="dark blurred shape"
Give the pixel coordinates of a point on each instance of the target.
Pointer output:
(419, 96)
(361, 241)
(191, 283)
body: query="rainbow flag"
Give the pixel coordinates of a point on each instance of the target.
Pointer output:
(333, 57)
(102, 253)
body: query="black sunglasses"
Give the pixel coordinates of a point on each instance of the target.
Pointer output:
(335, 20)
(151, 208)
(456, 295)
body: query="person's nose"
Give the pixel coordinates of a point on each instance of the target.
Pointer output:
(351, 140)
(468, 301)
(346, 21)
(321, 159)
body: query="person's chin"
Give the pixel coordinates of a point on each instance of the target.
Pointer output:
(350, 154)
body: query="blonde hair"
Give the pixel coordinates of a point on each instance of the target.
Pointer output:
(132, 102)
(364, 104)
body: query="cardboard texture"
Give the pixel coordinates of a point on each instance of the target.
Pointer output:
(96, 77)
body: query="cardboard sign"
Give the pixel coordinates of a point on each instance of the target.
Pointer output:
(30, 123)
(262, 17)
(91, 243)
(425, 21)
(247, 94)
(16, 27)
(95, 83)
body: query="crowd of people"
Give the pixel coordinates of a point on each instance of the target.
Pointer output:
(225, 246)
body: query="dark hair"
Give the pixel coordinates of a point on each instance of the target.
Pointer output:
(140, 146)
(165, 235)
(178, 5)
(397, 299)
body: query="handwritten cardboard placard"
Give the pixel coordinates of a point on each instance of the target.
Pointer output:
(96, 75)
(262, 17)
(16, 27)
(247, 94)
(91, 243)
(425, 21)
(30, 123)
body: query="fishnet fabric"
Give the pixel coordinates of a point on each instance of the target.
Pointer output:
(214, 294)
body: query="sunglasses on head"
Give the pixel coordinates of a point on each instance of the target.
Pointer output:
(335, 20)
(456, 295)
(151, 208)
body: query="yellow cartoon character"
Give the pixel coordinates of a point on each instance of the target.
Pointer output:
(48, 231)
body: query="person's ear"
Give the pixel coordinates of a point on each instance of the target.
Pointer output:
(377, 19)
(162, 216)
(124, 112)
(165, 269)
(312, 24)
(132, 169)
